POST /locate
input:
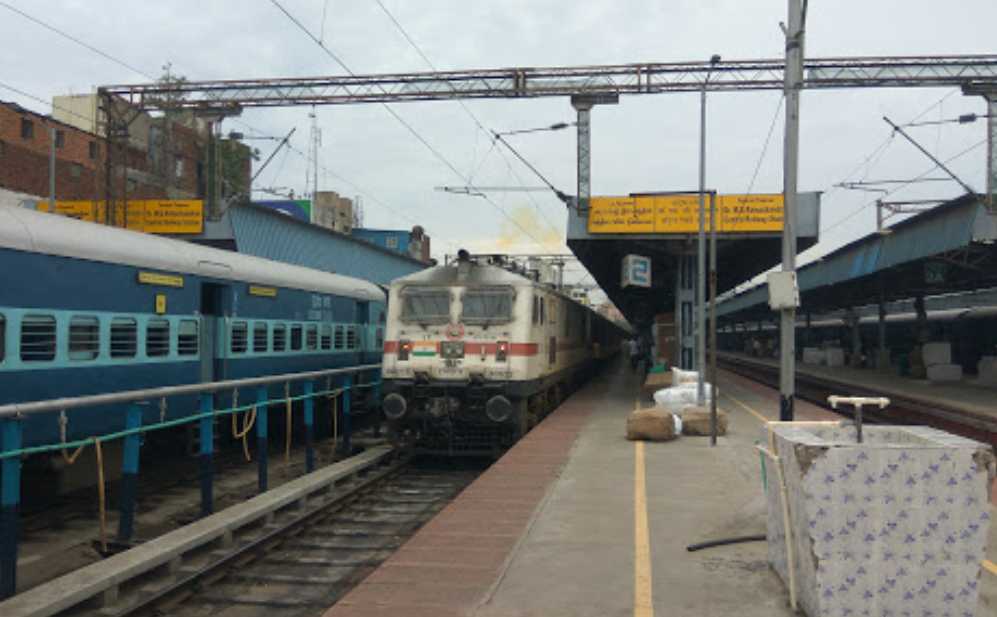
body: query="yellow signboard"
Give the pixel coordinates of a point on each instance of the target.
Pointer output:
(155, 278)
(679, 214)
(266, 292)
(154, 216)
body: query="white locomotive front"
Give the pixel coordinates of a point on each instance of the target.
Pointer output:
(475, 355)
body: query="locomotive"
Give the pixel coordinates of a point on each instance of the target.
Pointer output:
(478, 351)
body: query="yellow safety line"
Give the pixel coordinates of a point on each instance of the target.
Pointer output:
(748, 408)
(643, 606)
(990, 566)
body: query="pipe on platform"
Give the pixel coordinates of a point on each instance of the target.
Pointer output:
(725, 541)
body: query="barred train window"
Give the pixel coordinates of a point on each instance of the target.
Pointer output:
(260, 337)
(124, 337)
(311, 337)
(351, 337)
(84, 338)
(279, 337)
(240, 333)
(340, 340)
(3, 337)
(38, 338)
(157, 338)
(187, 339)
(296, 337)
(326, 336)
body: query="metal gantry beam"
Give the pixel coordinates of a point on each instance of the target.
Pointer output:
(529, 82)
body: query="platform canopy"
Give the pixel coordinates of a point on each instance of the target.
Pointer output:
(950, 248)
(615, 227)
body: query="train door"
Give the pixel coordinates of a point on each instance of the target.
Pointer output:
(363, 325)
(212, 320)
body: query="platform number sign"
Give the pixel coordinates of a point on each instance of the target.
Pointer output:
(636, 271)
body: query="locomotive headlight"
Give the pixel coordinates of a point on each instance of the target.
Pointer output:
(502, 351)
(498, 409)
(404, 349)
(394, 406)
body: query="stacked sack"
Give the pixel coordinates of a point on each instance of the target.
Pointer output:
(676, 408)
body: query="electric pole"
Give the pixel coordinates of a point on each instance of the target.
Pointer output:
(791, 153)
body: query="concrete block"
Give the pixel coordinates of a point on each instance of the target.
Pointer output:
(834, 356)
(944, 372)
(937, 353)
(814, 356)
(895, 523)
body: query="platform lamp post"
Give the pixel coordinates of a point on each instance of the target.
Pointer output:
(701, 245)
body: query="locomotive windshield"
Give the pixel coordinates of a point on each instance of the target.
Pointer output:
(426, 305)
(487, 306)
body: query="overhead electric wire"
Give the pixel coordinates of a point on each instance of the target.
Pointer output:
(765, 147)
(463, 105)
(397, 116)
(128, 66)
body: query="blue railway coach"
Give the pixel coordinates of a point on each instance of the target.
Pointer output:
(87, 309)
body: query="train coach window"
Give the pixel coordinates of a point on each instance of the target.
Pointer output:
(240, 334)
(84, 338)
(3, 337)
(157, 338)
(326, 336)
(37, 338)
(279, 337)
(124, 337)
(487, 306)
(425, 305)
(340, 337)
(351, 337)
(311, 337)
(296, 337)
(260, 336)
(187, 340)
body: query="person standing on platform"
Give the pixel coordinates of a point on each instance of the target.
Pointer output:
(634, 348)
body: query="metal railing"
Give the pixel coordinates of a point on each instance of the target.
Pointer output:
(132, 401)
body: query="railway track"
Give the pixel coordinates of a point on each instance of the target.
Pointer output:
(902, 409)
(300, 560)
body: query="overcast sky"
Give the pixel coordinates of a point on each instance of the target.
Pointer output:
(645, 143)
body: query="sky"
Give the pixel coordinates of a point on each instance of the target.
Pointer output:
(646, 143)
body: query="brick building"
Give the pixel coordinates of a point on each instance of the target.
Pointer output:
(165, 160)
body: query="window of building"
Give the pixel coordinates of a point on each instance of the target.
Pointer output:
(3, 146)
(340, 337)
(296, 337)
(279, 337)
(351, 337)
(38, 338)
(311, 337)
(60, 138)
(326, 336)
(27, 129)
(92, 149)
(124, 337)
(187, 338)
(240, 332)
(260, 336)
(75, 170)
(157, 338)
(84, 338)
(178, 166)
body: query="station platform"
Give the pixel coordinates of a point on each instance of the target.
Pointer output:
(576, 520)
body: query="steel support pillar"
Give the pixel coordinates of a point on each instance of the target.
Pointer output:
(261, 438)
(347, 446)
(793, 85)
(129, 473)
(883, 354)
(685, 314)
(309, 404)
(10, 500)
(207, 467)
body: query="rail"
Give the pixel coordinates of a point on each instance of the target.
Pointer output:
(12, 450)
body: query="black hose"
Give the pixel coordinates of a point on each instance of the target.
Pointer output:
(736, 540)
